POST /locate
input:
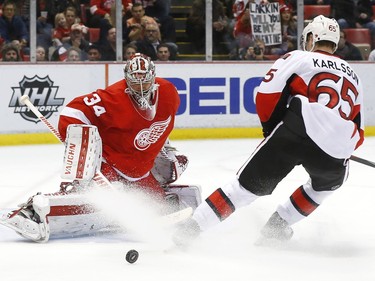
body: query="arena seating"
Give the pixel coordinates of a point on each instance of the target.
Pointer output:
(311, 11)
(93, 34)
(361, 38)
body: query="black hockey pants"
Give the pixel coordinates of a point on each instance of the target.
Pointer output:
(288, 146)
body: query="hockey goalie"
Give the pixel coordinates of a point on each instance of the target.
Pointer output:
(117, 136)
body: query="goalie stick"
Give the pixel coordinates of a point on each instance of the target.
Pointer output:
(362, 161)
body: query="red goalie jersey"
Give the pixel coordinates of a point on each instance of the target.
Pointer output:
(130, 141)
(331, 95)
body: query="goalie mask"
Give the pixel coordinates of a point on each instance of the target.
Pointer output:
(139, 74)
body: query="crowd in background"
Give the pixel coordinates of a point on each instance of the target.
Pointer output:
(85, 30)
(65, 31)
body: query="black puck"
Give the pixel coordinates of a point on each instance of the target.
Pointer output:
(132, 256)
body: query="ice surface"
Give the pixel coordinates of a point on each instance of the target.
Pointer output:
(337, 242)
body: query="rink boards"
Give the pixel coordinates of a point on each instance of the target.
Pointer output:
(217, 99)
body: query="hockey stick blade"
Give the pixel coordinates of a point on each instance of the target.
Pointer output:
(362, 161)
(176, 217)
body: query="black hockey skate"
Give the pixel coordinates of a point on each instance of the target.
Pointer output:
(275, 232)
(186, 232)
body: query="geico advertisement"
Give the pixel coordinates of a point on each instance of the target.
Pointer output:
(212, 94)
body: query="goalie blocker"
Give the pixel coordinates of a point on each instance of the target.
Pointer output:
(83, 153)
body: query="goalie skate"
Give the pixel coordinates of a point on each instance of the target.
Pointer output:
(176, 217)
(188, 195)
(30, 220)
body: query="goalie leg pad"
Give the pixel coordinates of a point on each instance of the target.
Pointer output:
(73, 214)
(83, 153)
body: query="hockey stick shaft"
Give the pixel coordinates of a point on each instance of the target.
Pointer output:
(99, 178)
(24, 100)
(362, 161)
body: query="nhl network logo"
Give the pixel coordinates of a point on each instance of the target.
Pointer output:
(42, 94)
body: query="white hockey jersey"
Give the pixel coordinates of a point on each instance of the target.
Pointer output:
(331, 95)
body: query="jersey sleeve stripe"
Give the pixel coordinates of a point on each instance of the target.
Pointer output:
(266, 104)
(75, 113)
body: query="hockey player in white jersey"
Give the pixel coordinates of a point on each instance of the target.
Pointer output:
(310, 107)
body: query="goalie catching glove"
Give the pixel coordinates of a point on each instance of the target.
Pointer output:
(168, 166)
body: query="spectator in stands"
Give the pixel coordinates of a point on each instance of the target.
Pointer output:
(346, 50)
(94, 53)
(74, 54)
(101, 9)
(109, 46)
(43, 27)
(136, 24)
(129, 50)
(22, 9)
(62, 5)
(18, 45)
(242, 27)
(71, 16)
(148, 44)
(45, 11)
(196, 27)
(59, 54)
(159, 10)
(162, 52)
(151, 40)
(255, 52)
(292, 4)
(47, 6)
(151, 6)
(288, 30)
(364, 18)
(229, 14)
(242, 32)
(10, 53)
(61, 35)
(105, 25)
(12, 27)
(62, 29)
(364, 13)
(344, 12)
(41, 54)
(77, 39)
